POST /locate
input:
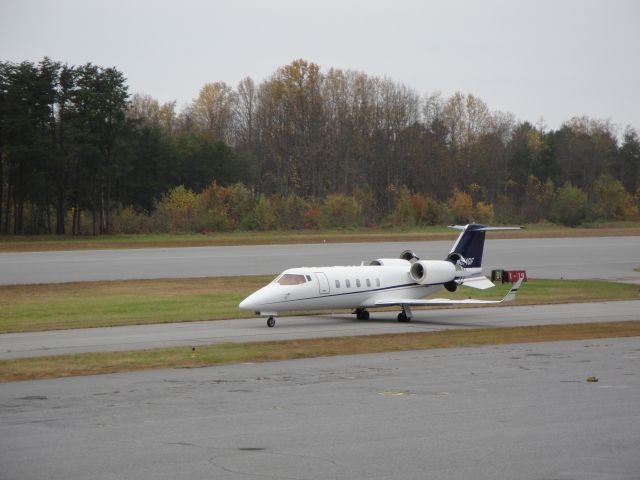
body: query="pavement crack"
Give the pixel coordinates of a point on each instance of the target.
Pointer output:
(217, 462)
(214, 462)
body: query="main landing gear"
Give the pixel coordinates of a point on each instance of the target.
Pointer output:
(271, 322)
(405, 315)
(362, 314)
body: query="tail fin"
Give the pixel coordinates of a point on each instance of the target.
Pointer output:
(467, 251)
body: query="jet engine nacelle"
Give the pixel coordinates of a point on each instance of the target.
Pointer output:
(429, 272)
(390, 262)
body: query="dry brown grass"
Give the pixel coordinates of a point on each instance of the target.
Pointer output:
(185, 357)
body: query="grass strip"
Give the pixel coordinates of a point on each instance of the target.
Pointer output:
(157, 240)
(28, 308)
(58, 306)
(228, 353)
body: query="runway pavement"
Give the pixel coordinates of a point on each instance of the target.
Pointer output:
(19, 345)
(612, 258)
(502, 412)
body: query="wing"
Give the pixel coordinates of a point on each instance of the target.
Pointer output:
(434, 302)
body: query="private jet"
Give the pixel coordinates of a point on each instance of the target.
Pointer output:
(384, 282)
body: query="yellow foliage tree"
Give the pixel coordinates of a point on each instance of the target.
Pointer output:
(461, 207)
(483, 212)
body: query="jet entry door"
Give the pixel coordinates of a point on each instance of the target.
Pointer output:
(323, 282)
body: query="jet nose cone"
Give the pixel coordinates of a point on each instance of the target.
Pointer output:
(247, 303)
(252, 302)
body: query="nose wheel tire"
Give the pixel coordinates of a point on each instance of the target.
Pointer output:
(271, 322)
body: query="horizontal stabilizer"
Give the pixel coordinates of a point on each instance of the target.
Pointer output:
(483, 228)
(439, 302)
(481, 283)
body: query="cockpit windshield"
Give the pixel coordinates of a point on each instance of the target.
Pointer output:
(290, 279)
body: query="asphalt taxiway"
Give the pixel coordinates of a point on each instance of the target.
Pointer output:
(502, 412)
(17, 345)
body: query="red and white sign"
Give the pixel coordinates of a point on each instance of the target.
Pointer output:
(513, 276)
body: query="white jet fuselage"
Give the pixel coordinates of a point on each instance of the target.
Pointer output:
(336, 287)
(384, 282)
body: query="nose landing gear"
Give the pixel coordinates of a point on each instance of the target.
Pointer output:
(271, 322)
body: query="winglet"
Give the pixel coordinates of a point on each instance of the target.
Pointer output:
(511, 294)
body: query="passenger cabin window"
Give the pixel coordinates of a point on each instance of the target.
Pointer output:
(358, 282)
(337, 283)
(368, 282)
(291, 279)
(347, 283)
(377, 282)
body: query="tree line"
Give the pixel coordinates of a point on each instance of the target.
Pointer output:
(79, 154)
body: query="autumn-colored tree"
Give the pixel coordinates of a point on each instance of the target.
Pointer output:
(340, 211)
(74, 149)
(213, 111)
(176, 211)
(265, 215)
(461, 207)
(148, 111)
(483, 213)
(612, 200)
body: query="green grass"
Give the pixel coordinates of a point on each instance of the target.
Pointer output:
(186, 357)
(51, 242)
(25, 308)
(538, 291)
(121, 310)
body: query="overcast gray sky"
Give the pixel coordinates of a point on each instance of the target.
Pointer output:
(551, 59)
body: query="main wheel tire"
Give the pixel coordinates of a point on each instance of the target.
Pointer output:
(402, 317)
(271, 322)
(451, 286)
(365, 315)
